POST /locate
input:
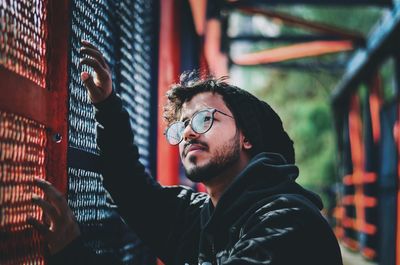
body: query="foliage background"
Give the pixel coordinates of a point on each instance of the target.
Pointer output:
(302, 96)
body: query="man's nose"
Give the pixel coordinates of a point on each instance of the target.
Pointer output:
(188, 133)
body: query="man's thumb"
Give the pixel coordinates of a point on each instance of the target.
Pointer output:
(88, 81)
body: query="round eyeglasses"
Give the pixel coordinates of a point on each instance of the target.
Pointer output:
(201, 122)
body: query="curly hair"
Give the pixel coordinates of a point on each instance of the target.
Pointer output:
(190, 84)
(255, 118)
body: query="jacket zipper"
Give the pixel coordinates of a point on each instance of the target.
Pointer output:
(214, 255)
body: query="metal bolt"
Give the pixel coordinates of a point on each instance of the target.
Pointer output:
(57, 137)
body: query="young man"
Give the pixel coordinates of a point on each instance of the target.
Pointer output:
(254, 213)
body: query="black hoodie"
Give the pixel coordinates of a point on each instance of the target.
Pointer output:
(264, 217)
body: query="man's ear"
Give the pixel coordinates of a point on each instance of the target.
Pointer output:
(246, 144)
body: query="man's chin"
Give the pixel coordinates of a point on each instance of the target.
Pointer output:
(200, 173)
(197, 178)
(196, 157)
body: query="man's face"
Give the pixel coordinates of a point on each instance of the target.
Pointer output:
(207, 155)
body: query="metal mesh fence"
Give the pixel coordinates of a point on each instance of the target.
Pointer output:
(123, 32)
(87, 196)
(92, 22)
(22, 157)
(23, 32)
(134, 79)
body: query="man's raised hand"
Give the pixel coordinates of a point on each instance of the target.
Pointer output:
(99, 85)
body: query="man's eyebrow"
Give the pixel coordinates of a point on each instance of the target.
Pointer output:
(184, 118)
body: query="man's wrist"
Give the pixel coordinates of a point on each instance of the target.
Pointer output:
(112, 100)
(68, 253)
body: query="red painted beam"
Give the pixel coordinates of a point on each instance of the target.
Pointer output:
(42, 98)
(291, 52)
(46, 105)
(57, 109)
(22, 96)
(169, 69)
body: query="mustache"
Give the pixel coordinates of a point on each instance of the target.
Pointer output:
(191, 142)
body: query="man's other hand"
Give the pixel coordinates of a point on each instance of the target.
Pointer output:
(99, 85)
(59, 227)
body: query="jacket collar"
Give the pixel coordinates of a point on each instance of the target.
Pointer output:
(267, 174)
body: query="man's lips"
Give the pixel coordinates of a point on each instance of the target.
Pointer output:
(194, 147)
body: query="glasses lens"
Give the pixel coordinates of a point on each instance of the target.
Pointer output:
(174, 133)
(201, 121)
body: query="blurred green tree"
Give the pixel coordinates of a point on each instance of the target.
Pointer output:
(302, 97)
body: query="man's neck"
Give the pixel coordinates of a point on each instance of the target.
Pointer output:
(218, 185)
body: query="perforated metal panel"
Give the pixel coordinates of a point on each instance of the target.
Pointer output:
(92, 22)
(23, 33)
(22, 157)
(123, 32)
(134, 77)
(88, 194)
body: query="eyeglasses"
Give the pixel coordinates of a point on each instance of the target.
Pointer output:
(201, 122)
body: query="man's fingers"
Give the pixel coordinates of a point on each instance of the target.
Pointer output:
(55, 197)
(88, 44)
(48, 209)
(51, 192)
(99, 87)
(46, 219)
(42, 228)
(95, 53)
(96, 65)
(94, 91)
(87, 79)
(62, 228)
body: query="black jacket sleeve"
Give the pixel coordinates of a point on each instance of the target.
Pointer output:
(157, 214)
(284, 231)
(78, 254)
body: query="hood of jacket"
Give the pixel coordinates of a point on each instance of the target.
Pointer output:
(266, 175)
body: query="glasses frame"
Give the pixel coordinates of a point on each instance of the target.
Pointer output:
(186, 123)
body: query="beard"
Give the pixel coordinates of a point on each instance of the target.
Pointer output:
(224, 157)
